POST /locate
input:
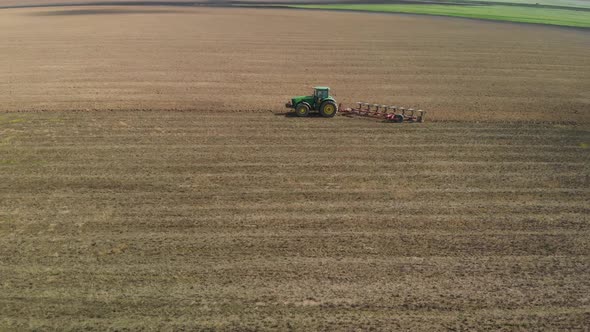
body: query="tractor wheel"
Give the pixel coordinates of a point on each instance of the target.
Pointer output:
(302, 110)
(328, 109)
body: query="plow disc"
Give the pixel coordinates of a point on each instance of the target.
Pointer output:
(384, 112)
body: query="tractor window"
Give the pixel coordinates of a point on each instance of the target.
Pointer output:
(321, 94)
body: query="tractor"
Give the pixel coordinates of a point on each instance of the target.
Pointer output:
(320, 101)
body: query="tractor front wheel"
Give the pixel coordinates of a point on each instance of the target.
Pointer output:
(302, 110)
(328, 109)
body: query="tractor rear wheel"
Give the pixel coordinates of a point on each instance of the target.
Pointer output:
(328, 109)
(302, 110)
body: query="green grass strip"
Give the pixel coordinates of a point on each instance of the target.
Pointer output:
(562, 3)
(562, 17)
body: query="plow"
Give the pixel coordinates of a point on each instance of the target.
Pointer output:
(385, 112)
(324, 104)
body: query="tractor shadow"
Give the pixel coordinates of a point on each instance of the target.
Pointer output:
(293, 115)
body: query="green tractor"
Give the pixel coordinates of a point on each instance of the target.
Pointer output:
(321, 101)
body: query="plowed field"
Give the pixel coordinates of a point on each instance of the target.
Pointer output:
(135, 216)
(257, 221)
(236, 59)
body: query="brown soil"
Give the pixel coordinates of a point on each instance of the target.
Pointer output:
(222, 220)
(255, 221)
(241, 59)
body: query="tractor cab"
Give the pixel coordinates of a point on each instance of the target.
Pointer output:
(320, 101)
(321, 92)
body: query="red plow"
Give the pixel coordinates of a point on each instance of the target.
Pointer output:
(384, 112)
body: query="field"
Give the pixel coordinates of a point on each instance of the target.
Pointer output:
(458, 69)
(513, 13)
(150, 180)
(571, 13)
(222, 220)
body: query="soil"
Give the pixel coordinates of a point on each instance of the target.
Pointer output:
(248, 59)
(185, 199)
(256, 221)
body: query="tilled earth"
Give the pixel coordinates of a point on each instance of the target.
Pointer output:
(78, 58)
(255, 221)
(250, 220)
